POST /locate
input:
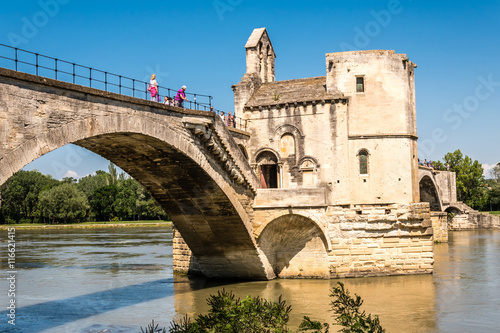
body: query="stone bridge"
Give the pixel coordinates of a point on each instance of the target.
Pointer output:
(439, 189)
(225, 225)
(186, 159)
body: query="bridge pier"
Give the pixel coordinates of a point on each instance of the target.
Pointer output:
(335, 242)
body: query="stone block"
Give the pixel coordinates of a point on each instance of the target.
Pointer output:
(391, 240)
(412, 250)
(361, 251)
(410, 267)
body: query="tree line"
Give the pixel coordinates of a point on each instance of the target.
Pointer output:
(32, 197)
(472, 187)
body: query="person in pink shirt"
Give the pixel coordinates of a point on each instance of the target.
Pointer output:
(153, 87)
(181, 97)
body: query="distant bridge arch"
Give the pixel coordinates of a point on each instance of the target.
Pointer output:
(429, 193)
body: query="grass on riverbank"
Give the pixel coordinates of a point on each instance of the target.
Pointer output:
(493, 212)
(104, 224)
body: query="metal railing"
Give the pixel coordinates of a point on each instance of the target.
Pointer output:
(234, 122)
(41, 65)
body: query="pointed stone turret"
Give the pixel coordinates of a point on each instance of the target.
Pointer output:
(260, 55)
(260, 58)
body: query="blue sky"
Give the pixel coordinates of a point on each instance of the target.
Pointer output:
(201, 44)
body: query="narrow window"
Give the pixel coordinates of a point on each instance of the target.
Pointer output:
(363, 162)
(287, 145)
(360, 84)
(307, 169)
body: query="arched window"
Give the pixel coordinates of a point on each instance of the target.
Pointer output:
(287, 145)
(363, 162)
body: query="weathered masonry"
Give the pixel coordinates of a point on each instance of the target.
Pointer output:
(324, 182)
(336, 158)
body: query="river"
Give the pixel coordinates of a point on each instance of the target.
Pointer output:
(118, 279)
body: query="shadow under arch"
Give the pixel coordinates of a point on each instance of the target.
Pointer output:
(429, 193)
(454, 210)
(193, 188)
(295, 247)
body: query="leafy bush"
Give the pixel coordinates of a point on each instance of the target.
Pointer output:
(152, 328)
(348, 313)
(229, 314)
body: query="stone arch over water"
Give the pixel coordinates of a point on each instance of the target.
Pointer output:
(189, 165)
(295, 246)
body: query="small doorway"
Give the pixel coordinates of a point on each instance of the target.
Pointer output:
(269, 176)
(268, 170)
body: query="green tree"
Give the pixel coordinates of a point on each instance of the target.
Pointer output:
(494, 189)
(20, 195)
(438, 165)
(113, 174)
(147, 207)
(64, 203)
(90, 183)
(494, 197)
(103, 202)
(126, 198)
(495, 173)
(470, 179)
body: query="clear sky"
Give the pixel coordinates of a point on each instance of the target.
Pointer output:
(201, 44)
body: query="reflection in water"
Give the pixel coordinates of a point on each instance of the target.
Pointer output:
(88, 280)
(467, 276)
(404, 303)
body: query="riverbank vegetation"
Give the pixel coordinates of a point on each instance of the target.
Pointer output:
(472, 187)
(31, 197)
(92, 225)
(257, 315)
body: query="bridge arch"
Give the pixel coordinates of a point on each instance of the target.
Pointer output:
(296, 247)
(188, 164)
(429, 193)
(454, 210)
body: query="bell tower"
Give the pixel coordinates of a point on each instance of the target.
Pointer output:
(260, 55)
(260, 58)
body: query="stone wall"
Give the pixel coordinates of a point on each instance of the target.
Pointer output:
(183, 260)
(439, 227)
(383, 240)
(474, 220)
(447, 185)
(335, 241)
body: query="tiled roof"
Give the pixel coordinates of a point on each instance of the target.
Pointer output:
(290, 91)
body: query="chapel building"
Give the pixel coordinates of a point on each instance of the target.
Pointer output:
(350, 134)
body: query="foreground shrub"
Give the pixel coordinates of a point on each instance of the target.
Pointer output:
(229, 314)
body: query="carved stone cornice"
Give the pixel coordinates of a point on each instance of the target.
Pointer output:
(209, 139)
